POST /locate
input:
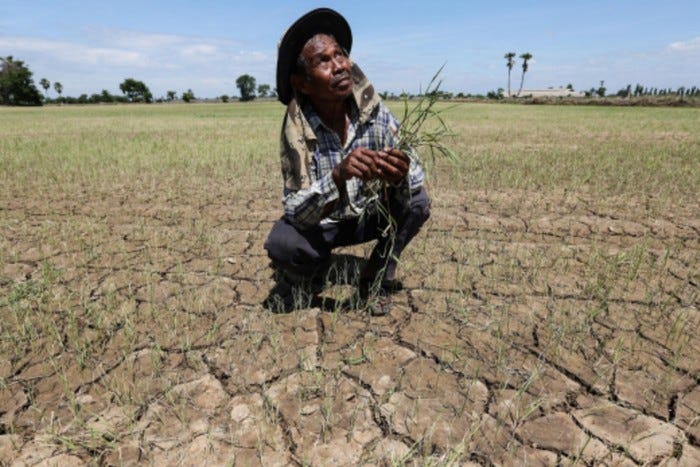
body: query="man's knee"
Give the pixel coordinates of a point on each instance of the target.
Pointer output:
(292, 249)
(277, 244)
(420, 206)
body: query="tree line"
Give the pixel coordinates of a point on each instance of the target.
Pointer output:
(17, 87)
(644, 91)
(601, 91)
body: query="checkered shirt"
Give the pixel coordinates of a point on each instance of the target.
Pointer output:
(305, 207)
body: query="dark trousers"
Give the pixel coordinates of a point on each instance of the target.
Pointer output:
(306, 252)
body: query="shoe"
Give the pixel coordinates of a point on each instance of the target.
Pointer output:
(282, 296)
(379, 305)
(392, 285)
(315, 282)
(375, 298)
(291, 292)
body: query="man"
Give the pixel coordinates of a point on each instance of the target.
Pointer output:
(345, 181)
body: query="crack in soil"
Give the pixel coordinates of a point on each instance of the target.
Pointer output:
(153, 249)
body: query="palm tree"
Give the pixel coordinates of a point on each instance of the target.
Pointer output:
(509, 57)
(46, 85)
(58, 87)
(526, 56)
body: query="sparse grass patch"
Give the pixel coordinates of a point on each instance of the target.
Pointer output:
(558, 272)
(602, 151)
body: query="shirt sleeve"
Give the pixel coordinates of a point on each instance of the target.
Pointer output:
(305, 208)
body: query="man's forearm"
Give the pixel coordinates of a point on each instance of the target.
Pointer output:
(307, 207)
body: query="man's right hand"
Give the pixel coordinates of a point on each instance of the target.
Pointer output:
(359, 163)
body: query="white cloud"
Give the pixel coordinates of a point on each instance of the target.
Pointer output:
(103, 57)
(70, 52)
(685, 46)
(252, 57)
(133, 39)
(198, 50)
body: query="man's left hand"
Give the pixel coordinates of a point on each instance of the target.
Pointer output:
(393, 164)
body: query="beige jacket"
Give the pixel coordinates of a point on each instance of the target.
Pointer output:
(298, 141)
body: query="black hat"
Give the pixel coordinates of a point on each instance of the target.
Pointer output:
(321, 20)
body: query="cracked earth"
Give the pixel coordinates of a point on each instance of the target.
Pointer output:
(534, 329)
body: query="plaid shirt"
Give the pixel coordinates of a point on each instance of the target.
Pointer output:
(305, 207)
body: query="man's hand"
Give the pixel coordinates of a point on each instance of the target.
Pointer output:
(360, 163)
(392, 164)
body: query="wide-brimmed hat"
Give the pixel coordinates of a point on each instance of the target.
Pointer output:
(320, 20)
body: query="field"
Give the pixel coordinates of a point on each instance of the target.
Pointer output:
(550, 314)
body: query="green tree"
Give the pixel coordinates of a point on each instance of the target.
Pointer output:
(46, 85)
(171, 95)
(224, 98)
(16, 84)
(509, 63)
(136, 91)
(105, 96)
(263, 90)
(601, 89)
(497, 95)
(246, 84)
(527, 56)
(187, 96)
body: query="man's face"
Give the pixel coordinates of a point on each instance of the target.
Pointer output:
(328, 76)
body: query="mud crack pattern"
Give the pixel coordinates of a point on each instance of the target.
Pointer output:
(534, 329)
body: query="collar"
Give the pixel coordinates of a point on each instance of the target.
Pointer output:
(315, 121)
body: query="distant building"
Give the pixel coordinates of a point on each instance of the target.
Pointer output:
(551, 92)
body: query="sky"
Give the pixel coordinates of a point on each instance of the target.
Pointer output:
(205, 45)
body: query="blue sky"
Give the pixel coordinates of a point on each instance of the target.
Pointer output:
(205, 45)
